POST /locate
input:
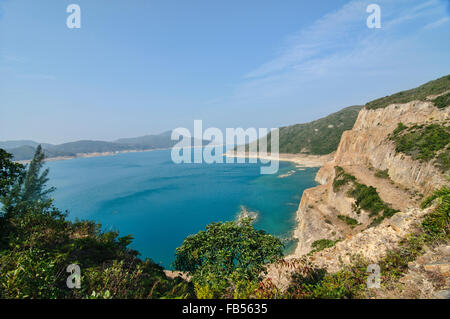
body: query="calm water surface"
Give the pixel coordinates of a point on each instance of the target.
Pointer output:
(160, 203)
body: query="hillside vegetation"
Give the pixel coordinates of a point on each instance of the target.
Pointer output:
(24, 150)
(425, 143)
(318, 137)
(420, 93)
(38, 243)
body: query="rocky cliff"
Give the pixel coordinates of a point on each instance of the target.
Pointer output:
(362, 152)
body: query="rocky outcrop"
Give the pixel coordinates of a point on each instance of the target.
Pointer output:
(363, 151)
(367, 144)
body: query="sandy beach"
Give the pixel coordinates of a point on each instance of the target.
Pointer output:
(302, 160)
(95, 154)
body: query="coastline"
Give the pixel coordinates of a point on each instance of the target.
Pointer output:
(302, 160)
(97, 154)
(94, 154)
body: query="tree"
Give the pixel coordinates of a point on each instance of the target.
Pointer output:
(226, 254)
(29, 188)
(35, 182)
(9, 172)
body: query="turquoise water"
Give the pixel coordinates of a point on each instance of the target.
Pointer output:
(160, 203)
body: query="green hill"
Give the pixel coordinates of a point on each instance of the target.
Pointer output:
(318, 137)
(162, 140)
(24, 149)
(420, 93)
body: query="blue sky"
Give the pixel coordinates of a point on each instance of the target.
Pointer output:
(140, 67)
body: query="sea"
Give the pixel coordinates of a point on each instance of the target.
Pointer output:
(160, 203)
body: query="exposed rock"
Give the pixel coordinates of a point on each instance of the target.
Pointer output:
(362, 151)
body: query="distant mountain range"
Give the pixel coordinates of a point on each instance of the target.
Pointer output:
(24, 149)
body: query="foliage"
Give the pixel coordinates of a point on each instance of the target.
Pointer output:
(350, 282)
(322, 244)
(348, 220)
(436, 224)
(309, 282)
(341, 178)
(366, 198)
(442, 101)
(420, 93)
(318, 137)
(424, 142)
(382, 174)
(225, 254)
(9, 172)
(29, 188)
(434, 231)
(37, 244)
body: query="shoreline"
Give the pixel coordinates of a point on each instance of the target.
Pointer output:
(98, 154)
(302, 160)
(94, 154)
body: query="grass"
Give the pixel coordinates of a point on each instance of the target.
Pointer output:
(366, 197)
(424, 143)
(348, 220)
(322, 244)
(420, 93)
(342, 178)
(442, 101)
(382, 174)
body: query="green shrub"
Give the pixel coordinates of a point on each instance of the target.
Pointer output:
(382, 174)
(425, 143)
(30, 273)
(366, 197)
(420, 93)
(311, 283)
(224, 254)
(442, 101)
(436, 225)
(348, 220)
(341, 178)
(322, 244)
(318, 137)
(37, 244)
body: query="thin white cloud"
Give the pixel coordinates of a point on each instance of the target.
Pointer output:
(436, 24)
(341, 43)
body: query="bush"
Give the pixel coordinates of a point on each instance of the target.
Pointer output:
(322, 244)
(37, 244)
(425, 143)
(348, 220)
(225, 254)
(341, 178)
(420, 93)
(442, 101)
(366, 197)
(382, 174)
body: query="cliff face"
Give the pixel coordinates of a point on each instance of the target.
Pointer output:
(367, 144)
(362, 152)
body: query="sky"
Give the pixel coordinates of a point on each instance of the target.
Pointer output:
(143, 67)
